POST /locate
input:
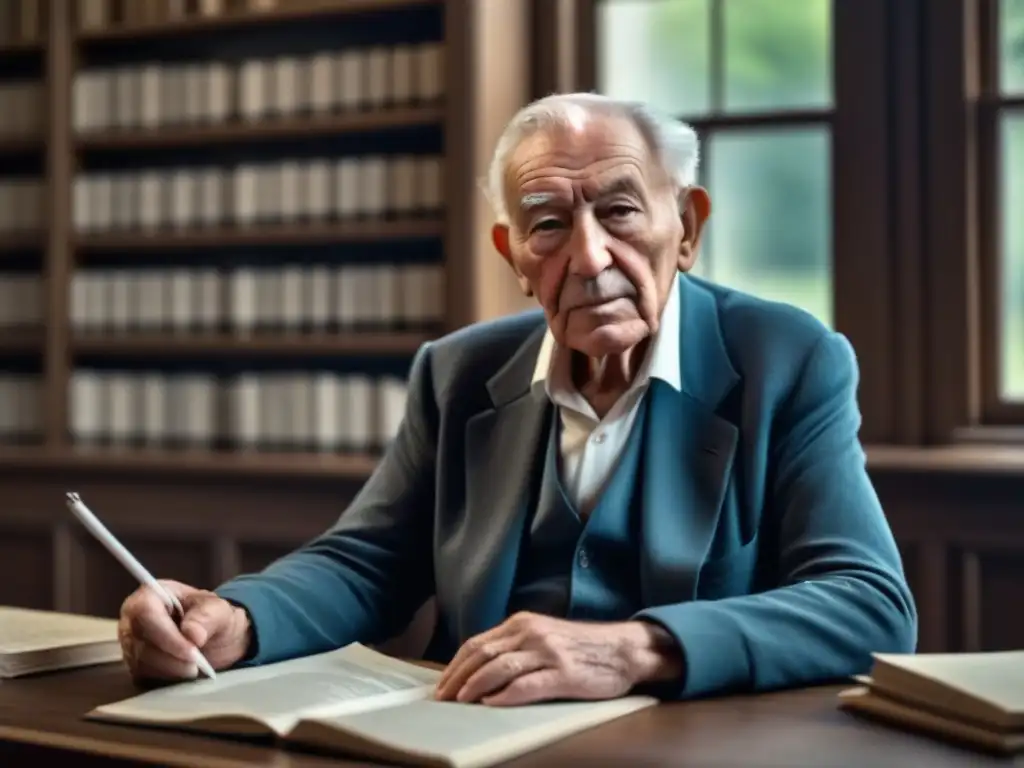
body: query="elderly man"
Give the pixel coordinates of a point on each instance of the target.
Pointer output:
(654, 483)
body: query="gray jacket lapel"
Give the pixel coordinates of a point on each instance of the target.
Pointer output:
(504, 456)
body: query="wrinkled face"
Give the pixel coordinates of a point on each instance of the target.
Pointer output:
(597, 232)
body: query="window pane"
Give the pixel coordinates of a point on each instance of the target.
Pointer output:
(1011, 15)
(778, 55)
(1013, 257)
(770, 230)
(656, 51)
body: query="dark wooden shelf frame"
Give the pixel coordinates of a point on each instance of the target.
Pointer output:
(236, 131)
(17, 242)
(187, 463)
(196, 344)
(21, 341)
(19, 145)
(289, 10)
(22, 48)
(370, 230)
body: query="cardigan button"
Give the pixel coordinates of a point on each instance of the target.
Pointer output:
(584, 559)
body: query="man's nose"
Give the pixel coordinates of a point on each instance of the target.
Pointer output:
(588, 254)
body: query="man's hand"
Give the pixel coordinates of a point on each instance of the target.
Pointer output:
(531, 658)
(156, 648)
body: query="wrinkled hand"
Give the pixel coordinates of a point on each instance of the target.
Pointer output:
(531, 658)
(155, 647)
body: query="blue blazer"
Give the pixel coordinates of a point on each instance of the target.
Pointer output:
(765, 551)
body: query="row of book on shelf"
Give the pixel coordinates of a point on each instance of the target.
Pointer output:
(21, 21)
(151, 95)
(293, 297)
(314, 298)
(287, 191)
(24, 21)
(292, 410)
(282, 191)
(22, 204)
(278, 410)
(99, 15)
(22, 109)
(21, 406)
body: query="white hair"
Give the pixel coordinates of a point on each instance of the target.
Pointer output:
(674, 143)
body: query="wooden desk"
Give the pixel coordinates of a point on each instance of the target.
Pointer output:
(40, 718)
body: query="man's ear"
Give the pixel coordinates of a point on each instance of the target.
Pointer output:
(694, 210)
(500, 238)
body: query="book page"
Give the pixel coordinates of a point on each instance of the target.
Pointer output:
(350, 679)
(464, 735)
(24, 631)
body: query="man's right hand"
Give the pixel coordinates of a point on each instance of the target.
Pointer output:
(155, 647)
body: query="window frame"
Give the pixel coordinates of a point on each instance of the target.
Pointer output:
(991, 105)
(963, 224)
(862, 214)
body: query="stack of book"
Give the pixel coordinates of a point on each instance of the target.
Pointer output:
(46, 641)
(976, 699)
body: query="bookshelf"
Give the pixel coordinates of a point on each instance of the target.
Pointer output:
(22, 222)
(234, 223)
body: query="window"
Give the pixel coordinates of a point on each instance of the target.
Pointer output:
(1009, 108)
(754, 78)
(851, 175)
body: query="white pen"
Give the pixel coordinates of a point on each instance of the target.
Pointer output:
(135, 568)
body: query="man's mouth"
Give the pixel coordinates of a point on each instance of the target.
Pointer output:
(600, 302)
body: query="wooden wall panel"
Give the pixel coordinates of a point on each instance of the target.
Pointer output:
(993, 588)
(255, 557)
(105, 582)
(26, 573)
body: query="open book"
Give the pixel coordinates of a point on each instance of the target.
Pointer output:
(43, 641)
(361, 703)
(974, 698)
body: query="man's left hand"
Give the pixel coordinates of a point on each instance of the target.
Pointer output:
(531, 658)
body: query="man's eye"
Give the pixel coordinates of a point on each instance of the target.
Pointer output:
(621, 211)
(546, 225)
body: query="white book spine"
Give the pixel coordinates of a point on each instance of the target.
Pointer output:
(86, 406)
(245, 412)
(359, 413)
(153, 413)
(327, 397)
(351, 90)
(253, 90)
(243, 300)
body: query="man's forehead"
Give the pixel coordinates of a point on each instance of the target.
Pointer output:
(581, 142)
(602, 152)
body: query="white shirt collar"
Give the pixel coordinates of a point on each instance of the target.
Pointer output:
(661, 361)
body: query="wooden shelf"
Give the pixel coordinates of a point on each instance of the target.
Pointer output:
(288, 10)
(20, 145)
(21, 47)
(358, 467)
(21, 341)
(191, 345)
(20, 241)
(284, 128)
(293, 234)
(191, 463)
(953, 459)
